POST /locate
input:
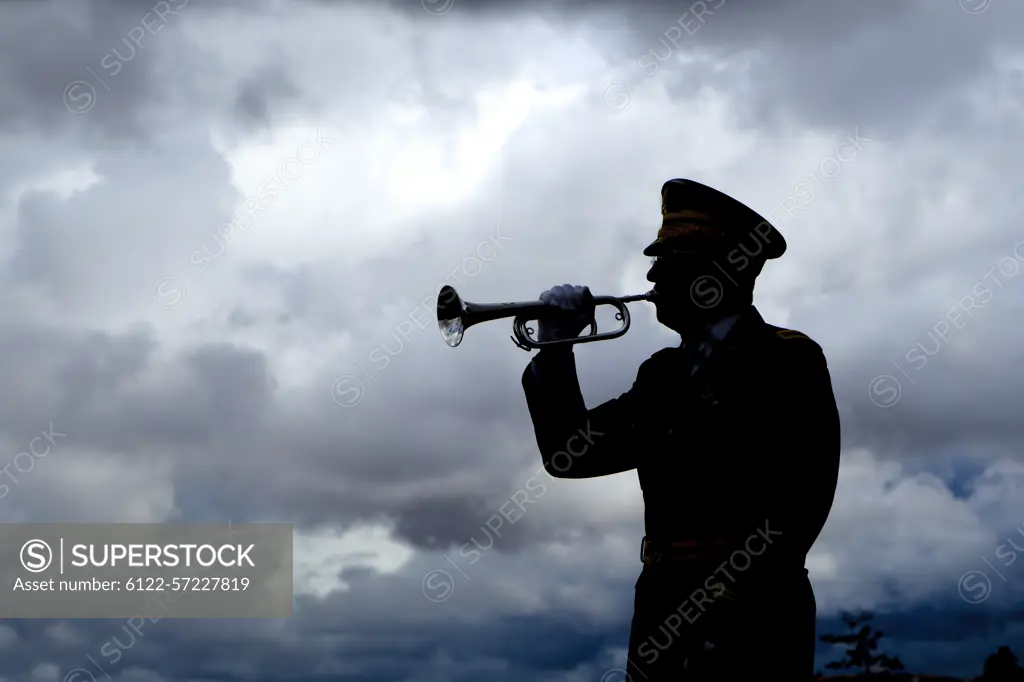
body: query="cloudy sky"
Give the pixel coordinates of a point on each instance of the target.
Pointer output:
(224, 223)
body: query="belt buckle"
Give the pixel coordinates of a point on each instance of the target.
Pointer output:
(655, 555)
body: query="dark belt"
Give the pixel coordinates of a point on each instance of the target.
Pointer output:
(697, 554)
(684, 551)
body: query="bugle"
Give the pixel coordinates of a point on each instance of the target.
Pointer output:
(455, 316)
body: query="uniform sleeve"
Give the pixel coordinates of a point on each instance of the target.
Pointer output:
(806, 441)
(576, 442)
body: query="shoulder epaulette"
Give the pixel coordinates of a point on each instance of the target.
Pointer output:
(788, 334)
(796, 340)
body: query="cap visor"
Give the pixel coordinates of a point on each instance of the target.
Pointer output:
(654, 249)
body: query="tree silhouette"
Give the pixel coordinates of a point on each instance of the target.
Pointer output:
(862, 643)
(1002, 666)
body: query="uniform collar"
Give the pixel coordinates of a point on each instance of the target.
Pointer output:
(720, 329)
(716, 331)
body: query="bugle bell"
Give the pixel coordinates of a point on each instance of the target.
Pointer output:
(455, 316)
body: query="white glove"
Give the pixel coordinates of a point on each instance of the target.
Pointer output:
(573, 311)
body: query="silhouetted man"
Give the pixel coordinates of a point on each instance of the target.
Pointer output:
(735, 439)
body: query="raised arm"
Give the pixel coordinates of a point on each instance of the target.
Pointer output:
(576, 442)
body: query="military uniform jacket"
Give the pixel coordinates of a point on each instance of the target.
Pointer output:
(749, 441)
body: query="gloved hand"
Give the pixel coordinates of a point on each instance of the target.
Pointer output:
(572, 312)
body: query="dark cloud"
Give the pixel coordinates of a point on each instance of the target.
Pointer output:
(867, 63)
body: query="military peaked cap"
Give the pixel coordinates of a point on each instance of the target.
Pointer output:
(698, 218)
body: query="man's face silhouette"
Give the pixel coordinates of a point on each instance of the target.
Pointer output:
(690, 290)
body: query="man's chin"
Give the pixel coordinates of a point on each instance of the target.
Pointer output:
(681, 321)
(665, 316)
